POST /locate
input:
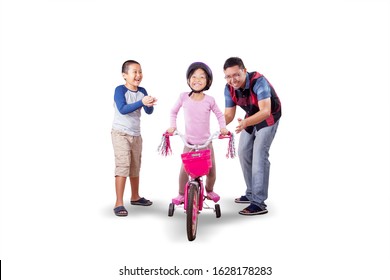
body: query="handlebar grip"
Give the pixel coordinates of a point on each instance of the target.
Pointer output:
(166, 133)
(229, 135)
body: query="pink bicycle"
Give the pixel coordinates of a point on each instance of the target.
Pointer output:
(197, 163)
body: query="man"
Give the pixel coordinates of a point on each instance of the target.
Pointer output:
(256, 96)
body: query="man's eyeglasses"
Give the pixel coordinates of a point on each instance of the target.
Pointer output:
(234, 76)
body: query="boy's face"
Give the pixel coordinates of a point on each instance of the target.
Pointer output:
(133, 77)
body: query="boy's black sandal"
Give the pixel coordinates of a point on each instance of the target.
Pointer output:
(142, 201)
(120, 211)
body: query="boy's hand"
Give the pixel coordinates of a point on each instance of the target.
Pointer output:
(149, 101)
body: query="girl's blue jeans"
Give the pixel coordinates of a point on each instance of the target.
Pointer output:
(253, 152)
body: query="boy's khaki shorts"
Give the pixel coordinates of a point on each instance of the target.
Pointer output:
(128, 151)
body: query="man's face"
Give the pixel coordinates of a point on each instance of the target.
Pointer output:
(235, 77)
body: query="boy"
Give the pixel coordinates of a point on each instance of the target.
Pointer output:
(126, 134)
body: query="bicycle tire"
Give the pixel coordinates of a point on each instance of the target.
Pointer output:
(192, 211)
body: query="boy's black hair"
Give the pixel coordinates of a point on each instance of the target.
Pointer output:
(233, 61)
(125, 65)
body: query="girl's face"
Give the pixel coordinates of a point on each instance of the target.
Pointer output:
(235, 76)
(133, 76)
(198, 80)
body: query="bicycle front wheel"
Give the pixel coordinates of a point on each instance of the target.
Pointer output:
(192, 211)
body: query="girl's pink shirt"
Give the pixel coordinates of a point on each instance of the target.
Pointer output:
(197, 117)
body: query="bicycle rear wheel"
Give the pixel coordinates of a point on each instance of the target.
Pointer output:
(192, 211)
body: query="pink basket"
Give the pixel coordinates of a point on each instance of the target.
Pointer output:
(197, 163)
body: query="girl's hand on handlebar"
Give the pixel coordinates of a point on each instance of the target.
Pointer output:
(224, 131)
(171, 130)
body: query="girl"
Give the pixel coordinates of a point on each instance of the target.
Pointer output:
(197, 107)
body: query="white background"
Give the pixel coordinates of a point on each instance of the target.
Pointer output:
(329, 188)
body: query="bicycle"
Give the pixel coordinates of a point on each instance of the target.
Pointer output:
(197, 163)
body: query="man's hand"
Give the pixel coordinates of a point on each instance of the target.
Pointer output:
(241, 125)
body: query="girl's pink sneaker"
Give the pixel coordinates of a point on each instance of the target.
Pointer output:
(178, 200)
(213, 196)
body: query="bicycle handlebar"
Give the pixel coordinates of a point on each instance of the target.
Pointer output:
(165, 147)
(213, 136)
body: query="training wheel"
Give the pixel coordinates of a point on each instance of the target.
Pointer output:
(217, 211)
(171, 209)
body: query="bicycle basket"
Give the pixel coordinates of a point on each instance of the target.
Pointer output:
(197, 163)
